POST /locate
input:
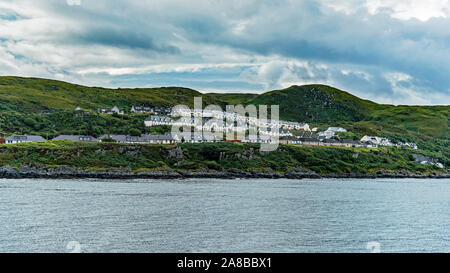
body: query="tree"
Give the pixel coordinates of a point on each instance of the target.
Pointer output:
(29, 121)
(135, 132)
(108, 140)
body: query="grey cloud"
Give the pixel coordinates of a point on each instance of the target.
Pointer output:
(123, 38)
(270, 32)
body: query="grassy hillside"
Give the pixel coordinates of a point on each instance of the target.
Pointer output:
(319, 104)
(310, 103)
(34, 95)
(71, 122)
(22, 99)
(213, 156)
(316, 103)
(423, 120)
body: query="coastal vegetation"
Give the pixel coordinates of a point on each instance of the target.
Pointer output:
(47, 108)
(209, 156)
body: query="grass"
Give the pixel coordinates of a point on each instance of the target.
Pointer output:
(34, 95)
(213, 156)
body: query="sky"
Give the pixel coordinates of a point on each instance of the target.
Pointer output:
(388, 51)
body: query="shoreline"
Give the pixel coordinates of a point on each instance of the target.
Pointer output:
(8, 172)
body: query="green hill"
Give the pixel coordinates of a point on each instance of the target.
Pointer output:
(320, 104)
(316, 104)
(23, 99)
(33, 95)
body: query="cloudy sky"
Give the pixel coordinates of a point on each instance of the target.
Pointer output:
(389, 51)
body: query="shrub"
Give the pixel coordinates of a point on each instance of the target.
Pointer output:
(134, 132)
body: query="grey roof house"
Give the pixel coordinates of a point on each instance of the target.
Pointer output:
(22, 139)
(144, 139)
(141, 109)
(157, 120)
(162, 139)
(76, 138)
(124, 138)
(290, 140)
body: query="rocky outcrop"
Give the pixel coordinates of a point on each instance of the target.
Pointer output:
(301, 173)
(126, 173)
(66, 172)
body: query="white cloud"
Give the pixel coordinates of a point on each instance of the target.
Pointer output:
(407, 9)
(163, 68)
(399, 9)
(282, 73)
(402, 88)
(254, 44)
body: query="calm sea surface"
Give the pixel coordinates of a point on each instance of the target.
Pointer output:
(212, 215)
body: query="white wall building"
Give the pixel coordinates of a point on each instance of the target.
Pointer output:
(337, 129)
(377, 140)
(23, 139)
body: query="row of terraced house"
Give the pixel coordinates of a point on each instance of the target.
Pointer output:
(310, 139)
(144, 139)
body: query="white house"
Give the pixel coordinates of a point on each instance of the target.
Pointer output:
(158, 120)
(337, 129)
(141, 109)
(184, 121)
(303, 126)
(114, 110)
(331, 132)
(411, 145)
(23, 139)
(326, 134)
(294, 125)
(377, 140)
(285, 133)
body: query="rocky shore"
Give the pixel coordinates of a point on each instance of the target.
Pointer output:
(9, 172)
